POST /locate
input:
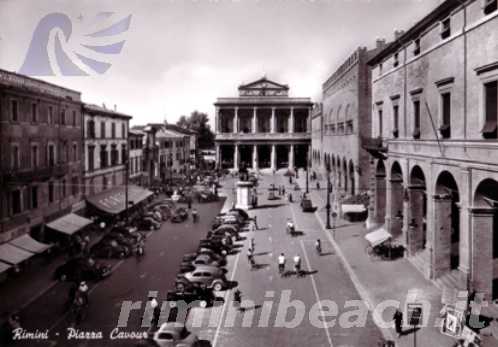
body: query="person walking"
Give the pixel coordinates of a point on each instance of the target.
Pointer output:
(317, 185)
(255, 223)
(398, 322)
(297, 265)
(253, 244)
(250, 257)
(281, 264)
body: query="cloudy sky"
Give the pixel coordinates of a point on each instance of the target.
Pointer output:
(178, 56)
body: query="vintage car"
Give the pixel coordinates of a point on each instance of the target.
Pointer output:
(180, 215)
(208, 276)
(107, 248)
(82, 269)
(174, 334)
(307, 205)
(203, 296)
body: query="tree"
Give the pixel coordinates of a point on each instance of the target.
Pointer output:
(199, 122)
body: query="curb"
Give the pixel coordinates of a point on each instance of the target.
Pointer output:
(360, 288)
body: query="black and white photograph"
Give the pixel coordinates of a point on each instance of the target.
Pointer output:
(245, 173)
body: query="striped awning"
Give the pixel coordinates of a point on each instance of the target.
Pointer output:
(4, 267)
(69, 224)
(13, 255)
(113, 201)
(27, 243)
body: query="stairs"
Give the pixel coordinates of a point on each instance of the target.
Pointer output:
(451, 280)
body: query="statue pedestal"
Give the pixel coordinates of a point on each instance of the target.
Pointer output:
(244, 195)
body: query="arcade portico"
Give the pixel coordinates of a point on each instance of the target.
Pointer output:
(262, 128)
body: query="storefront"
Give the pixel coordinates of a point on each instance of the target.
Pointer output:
(112, 202)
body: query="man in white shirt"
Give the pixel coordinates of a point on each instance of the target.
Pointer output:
(281, 263)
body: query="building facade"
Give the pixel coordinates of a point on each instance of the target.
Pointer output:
(434, 120)
(40, 154)
(174, 153)
(317, 137)
(106, 146)
(136, 156)
(345, 120)
(263, 128)
(192, 154)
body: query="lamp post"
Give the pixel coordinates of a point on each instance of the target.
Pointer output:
(307, 174)
(127, 175)
(328, 199)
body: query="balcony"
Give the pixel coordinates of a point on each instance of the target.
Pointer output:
(21, 176)
(374, 146)
(263, 136)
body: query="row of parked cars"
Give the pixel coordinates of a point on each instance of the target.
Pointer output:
(202, 274)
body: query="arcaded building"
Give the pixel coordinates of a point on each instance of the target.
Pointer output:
(345, 121)
(435, 114)
(263, 128)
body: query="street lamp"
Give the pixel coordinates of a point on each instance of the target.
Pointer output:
(307, 175)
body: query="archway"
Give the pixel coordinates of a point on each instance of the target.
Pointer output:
(245, 156)
(226, 155)
(447, 223)
(345, 173)
(380, 193)
(417, 225)
(485, 238)
(397, 189)
(351, 178)
(282, 156)
(264, 156)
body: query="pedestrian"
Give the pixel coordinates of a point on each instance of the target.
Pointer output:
(255, 222)
(253, 243)
(317, 185)
(297, 265)
(398, 322)
(281, 263)
(283, 190)
(189, 202)
(250, 257)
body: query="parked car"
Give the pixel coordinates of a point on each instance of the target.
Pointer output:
(204, 296)
(130, 232)
(147, 223)
(210, 277)
(175, 334)
(205, 259)
(110, 249)
(210, 252)
(307, 205)
(154, 214)
(216, 246)
(82, 269)
(179, 215)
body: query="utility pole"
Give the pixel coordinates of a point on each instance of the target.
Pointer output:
(307, 173)
(328, 199)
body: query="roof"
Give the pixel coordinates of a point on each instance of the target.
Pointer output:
(263, 81)
(414, 32)
(29, 244)
(136, 132)
(92, 108)
(10, 254)
(166, 133)
(112, 201)
(180, 129)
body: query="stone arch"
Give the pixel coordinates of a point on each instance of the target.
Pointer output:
(380, 193)
(338, 116)
(485, 238)
(347, 111)
(345, 174)
(397, 193)
(417, 197)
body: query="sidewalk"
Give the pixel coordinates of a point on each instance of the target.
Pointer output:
(378, 281)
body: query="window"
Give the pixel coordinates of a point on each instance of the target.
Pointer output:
(50, 192)
(123, 130)
(123, 154)
(395, 121)
(103, 156)
(113, 130)
(74, 186)
(114, 155)
(490, 6)
(34, 113)
(445, 128)
(396, 59)
(63, 188)
(416, 119)
(102, 130)
(104, 183)
(91, 129)
(349, 126)
(15, 200)
(15, 160)
(63, 117)
(51, 155)
(416, 46)
(34, 156)
(445, 28)
(34, 197)
(50, 116)
(75, 152)
(15, 111)
(91, 160)
(491, 110)
(64, 153)
(381, 122)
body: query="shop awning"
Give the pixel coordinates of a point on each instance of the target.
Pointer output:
(29, 244)
(378, 237)
(112, 201)
(69, 224)
(4, 267)
(12, 255)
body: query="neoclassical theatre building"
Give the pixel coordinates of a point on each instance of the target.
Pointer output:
(263, 128)
(435, 116)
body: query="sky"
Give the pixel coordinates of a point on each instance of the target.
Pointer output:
(179, 56)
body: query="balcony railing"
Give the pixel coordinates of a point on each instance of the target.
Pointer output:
(36, 174)
(263, 136)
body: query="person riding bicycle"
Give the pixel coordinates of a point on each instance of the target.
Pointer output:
(290, 226)
(281, 263)
(195, 215)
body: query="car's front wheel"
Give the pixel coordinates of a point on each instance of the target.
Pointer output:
(218, 286)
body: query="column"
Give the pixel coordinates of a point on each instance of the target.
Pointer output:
(291, 157)
(254, 120)
(416, 233)
(291, 120)
(272, 121)
(273, 157)
(465, 224)
(255, 157)
(440, 240)
(482, 250)
(236, 157)
(217, 120)
(380, 199)
(218, 158)
(236, 120)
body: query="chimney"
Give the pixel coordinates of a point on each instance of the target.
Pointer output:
(380, 43)
(398, 33)
(103, 105)
(115, 107)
